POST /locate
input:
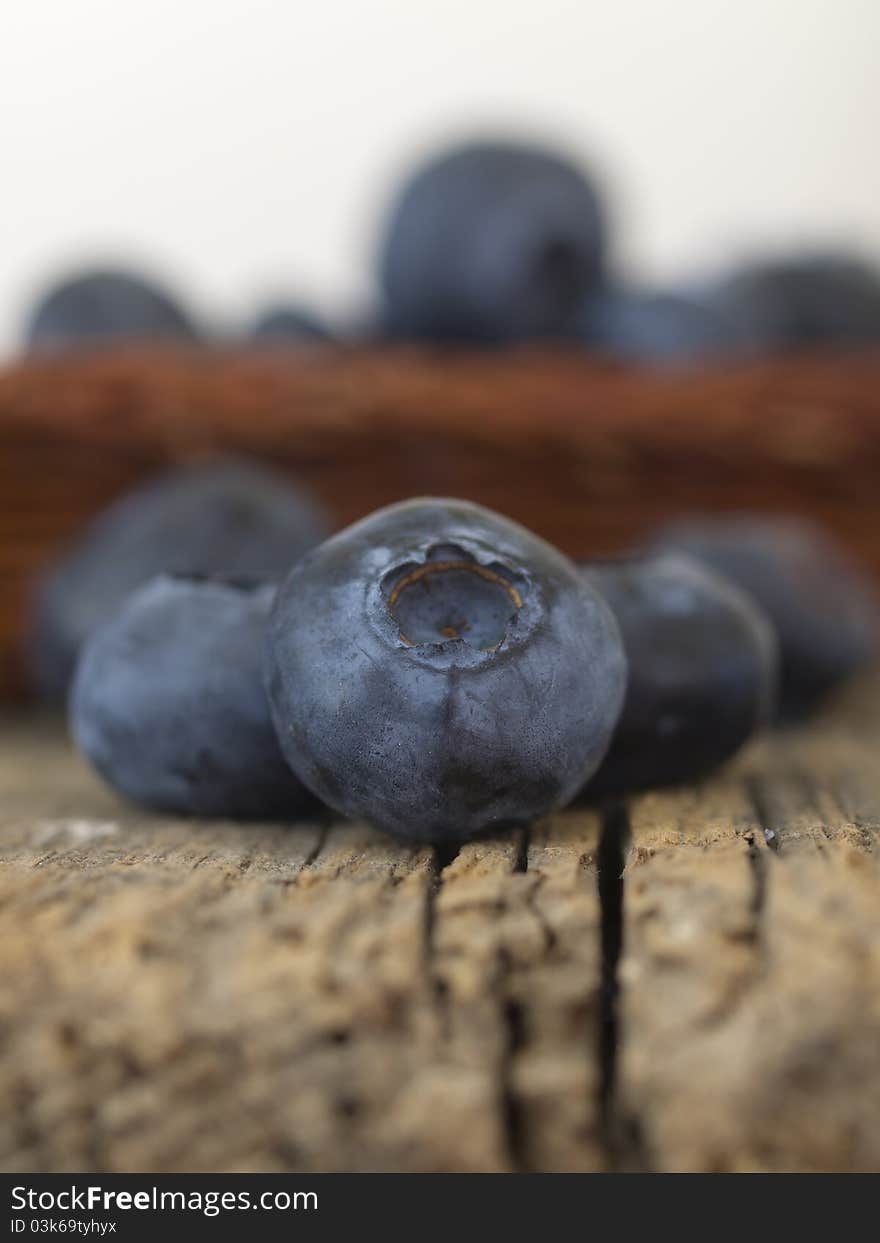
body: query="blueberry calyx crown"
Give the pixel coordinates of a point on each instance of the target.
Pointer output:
(450, 596)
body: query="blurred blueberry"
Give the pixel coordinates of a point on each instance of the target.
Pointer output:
(826, 613)
(220, 516)
(702, 661)
(92, 307)
(290, 324)
(441, 672)
(491, 242)
(168, 703)
(805, 300)
(660, 326)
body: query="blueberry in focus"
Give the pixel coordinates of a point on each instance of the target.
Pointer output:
(825, 612)
(440, 671)
(702, 661)
(800, 301)
(290, 324)
(93, 307)
(219, 516)
(491, 242)
(660, 326)
(169, 706)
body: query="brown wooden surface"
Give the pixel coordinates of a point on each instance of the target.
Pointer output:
(587, 454)
(185, 996)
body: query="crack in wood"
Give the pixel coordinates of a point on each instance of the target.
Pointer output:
(757, 797)
(521, 859)
(551, 940)
(512, 1017)
(441, 857)
(758, 867)
(513, 1023)
(314, 854)
(610, 861)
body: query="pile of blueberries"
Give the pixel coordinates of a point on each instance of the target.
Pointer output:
(498, 242)
(435, 669)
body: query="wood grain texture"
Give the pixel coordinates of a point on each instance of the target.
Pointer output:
(750, 983)
(588, 454)
(691, 981)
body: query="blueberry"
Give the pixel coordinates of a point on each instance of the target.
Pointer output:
(440, 671)
(168, 702)
(221, 516)
(660, 326)
(806, 300)
(493, 241)
(290, 324)
(702, 670)
(106, 305)
(826, 614)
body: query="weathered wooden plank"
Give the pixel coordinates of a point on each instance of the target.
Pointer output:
(750, 1013)
(179, 995)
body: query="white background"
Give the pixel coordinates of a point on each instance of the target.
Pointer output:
(247, 146)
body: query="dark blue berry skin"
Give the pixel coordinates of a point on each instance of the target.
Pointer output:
(662, 327)
(221, 516)
(441, 672)
(702, 671)
(282, 325)
(800, 301)
(168, 703)
(825, 612)
(491, 242)
(101, 306)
